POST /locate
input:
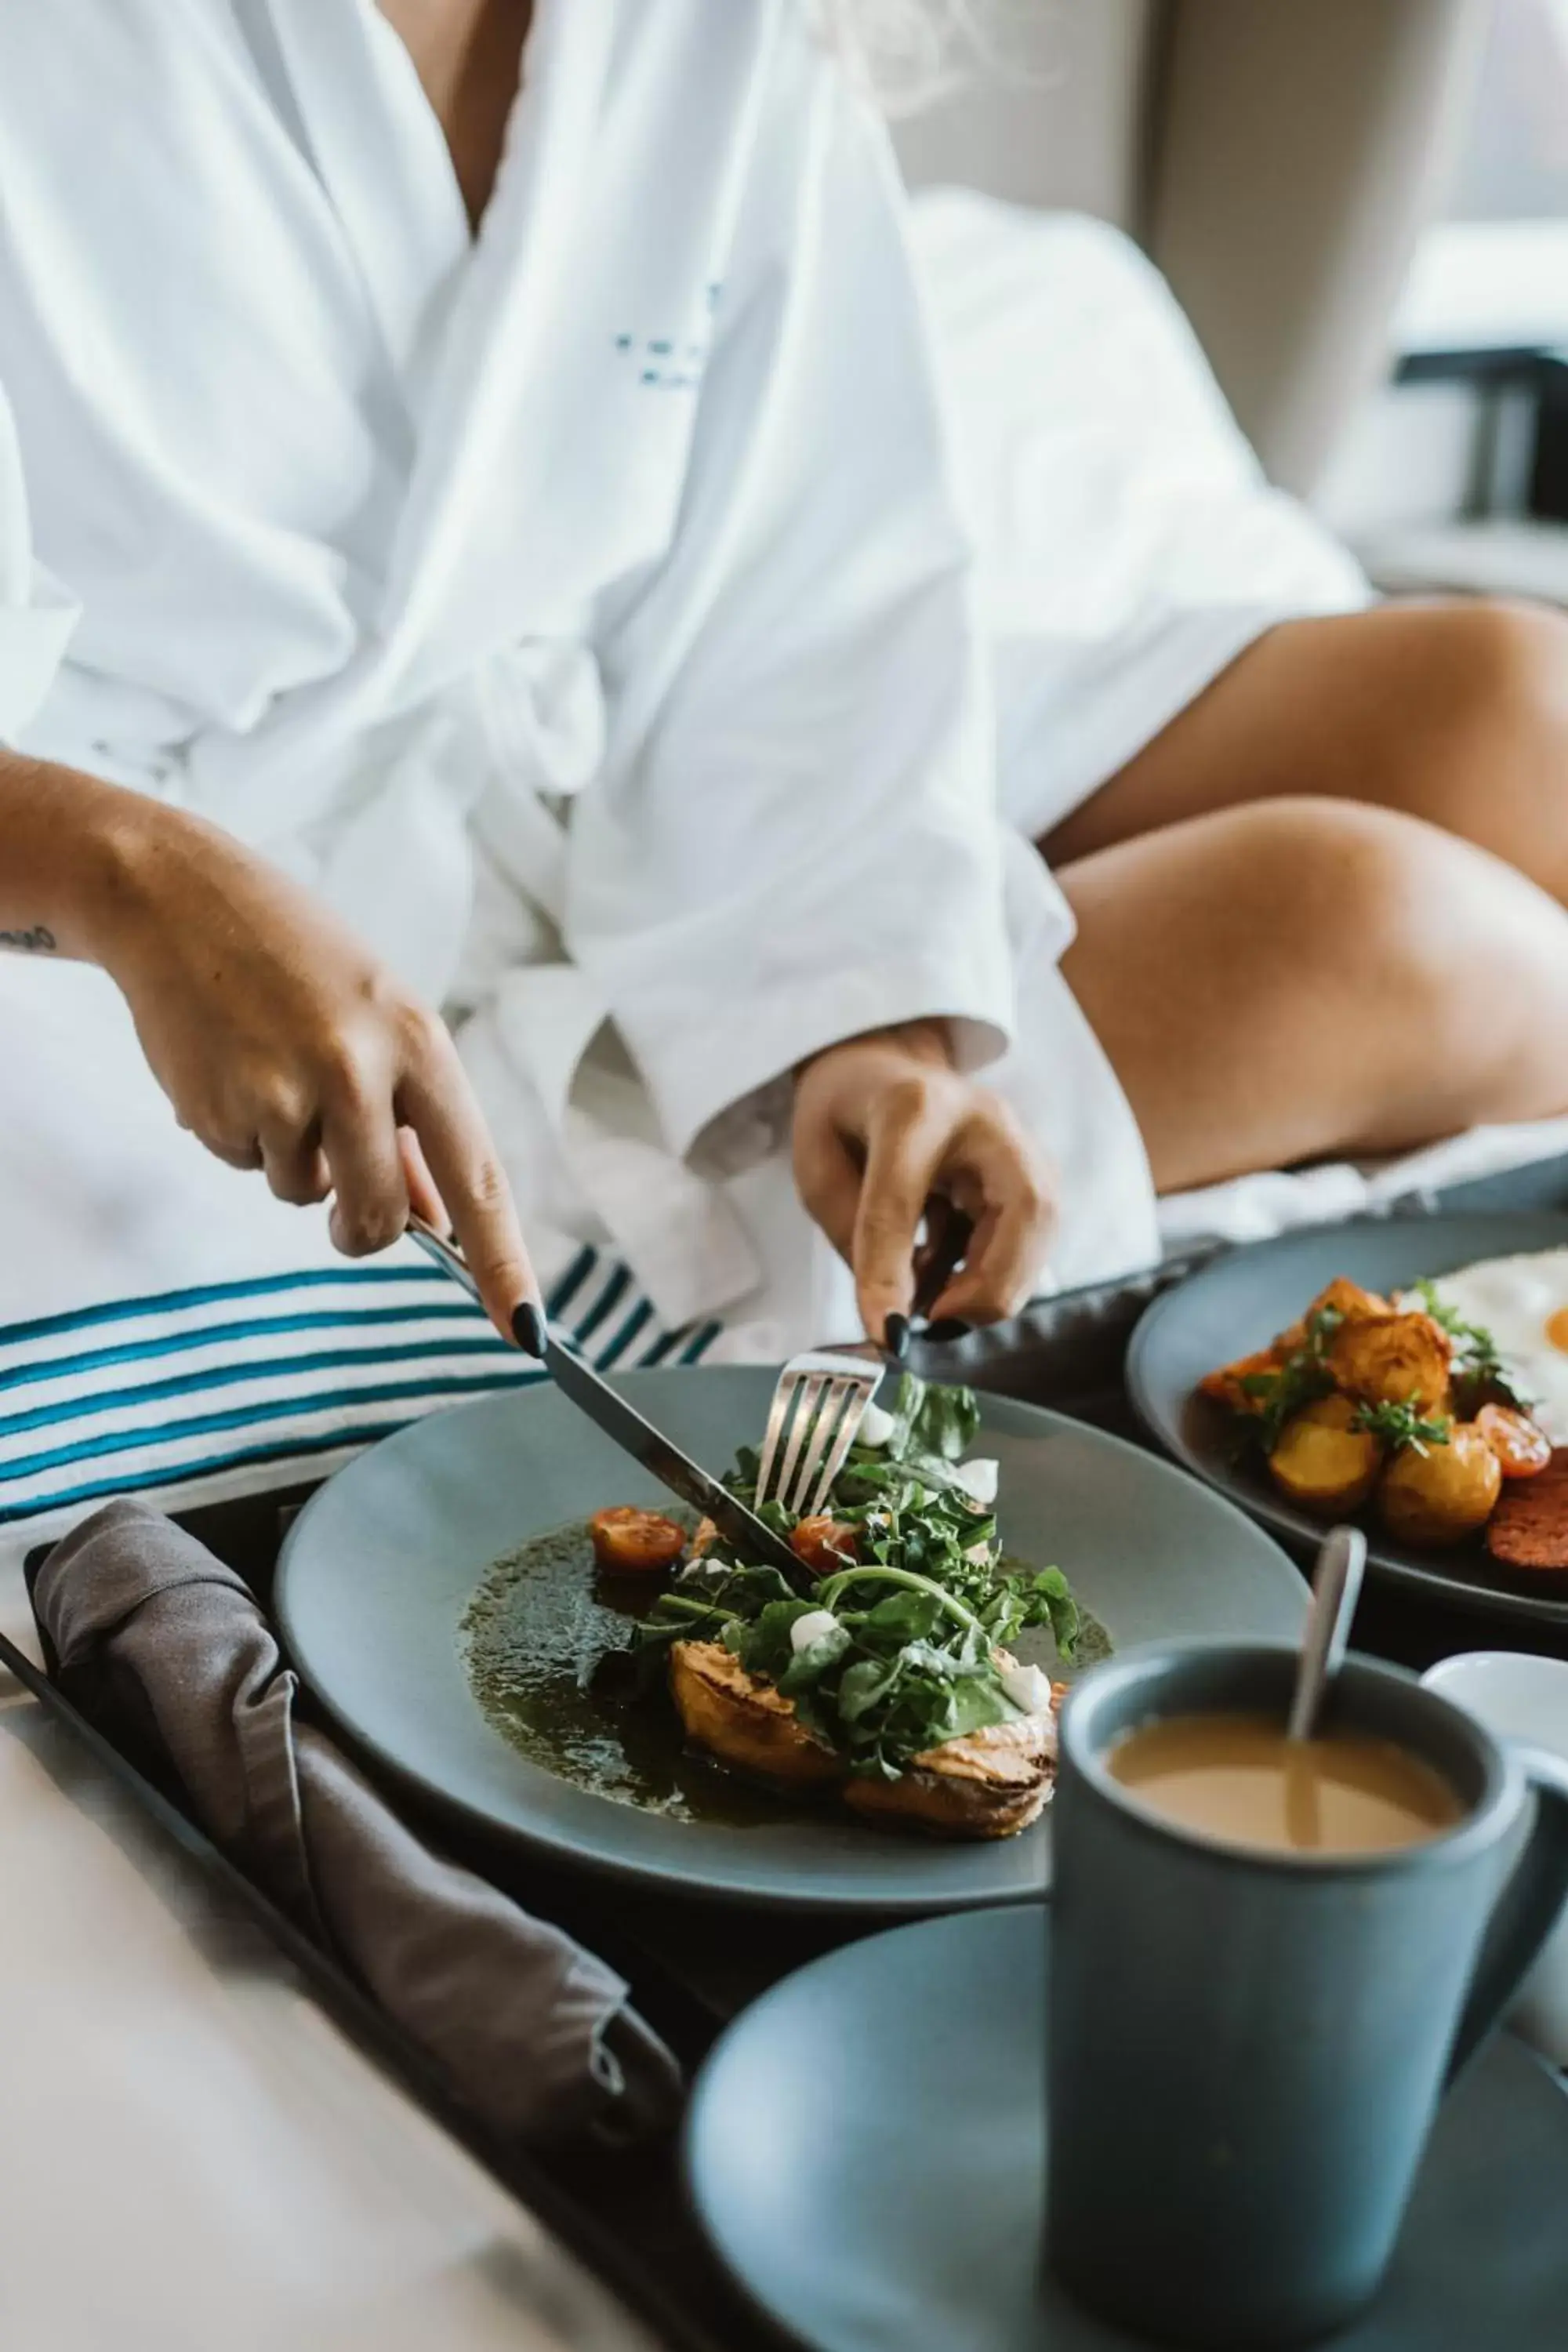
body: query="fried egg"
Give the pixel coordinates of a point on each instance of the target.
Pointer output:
(1523, 1303)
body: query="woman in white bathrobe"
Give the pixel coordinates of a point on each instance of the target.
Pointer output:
(505, 541)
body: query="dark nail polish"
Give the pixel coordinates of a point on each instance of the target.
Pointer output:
(952, 1326)
(528, 1330)
(896, 1336)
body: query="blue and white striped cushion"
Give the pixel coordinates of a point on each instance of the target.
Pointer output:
(250, 1383)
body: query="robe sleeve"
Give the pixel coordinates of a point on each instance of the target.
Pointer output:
(794, 838)
(36, 615)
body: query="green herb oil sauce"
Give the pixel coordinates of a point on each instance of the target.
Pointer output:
(535, 1634)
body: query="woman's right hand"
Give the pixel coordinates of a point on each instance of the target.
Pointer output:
(284, 1044)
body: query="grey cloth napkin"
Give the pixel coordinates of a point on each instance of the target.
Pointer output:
(166, 1650)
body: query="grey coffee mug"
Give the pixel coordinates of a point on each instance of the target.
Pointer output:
(1247, 2048)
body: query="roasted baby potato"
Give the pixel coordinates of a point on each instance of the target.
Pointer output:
(1323, 1460)
(1228, 1386)
(744, 1721)
(1348, 1299)
(1392, 1358)
(1345, 1298)
(1439, 1494)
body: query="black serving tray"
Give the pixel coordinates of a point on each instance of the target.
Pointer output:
(692, 1966)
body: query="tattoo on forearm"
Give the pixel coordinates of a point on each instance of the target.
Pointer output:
(40, 941)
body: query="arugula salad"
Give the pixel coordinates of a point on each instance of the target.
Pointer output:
(888, 1661)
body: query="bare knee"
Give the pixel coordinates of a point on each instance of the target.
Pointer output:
(1487, 691)
(1384, 897)
(1343, 880)
(1294, 912)
(1445, 954)
(1301, 976)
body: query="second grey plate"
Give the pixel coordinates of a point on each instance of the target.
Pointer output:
(1240, 1301)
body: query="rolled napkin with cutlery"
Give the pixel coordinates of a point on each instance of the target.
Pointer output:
(168, 1651)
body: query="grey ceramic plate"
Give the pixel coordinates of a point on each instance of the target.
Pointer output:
(1240, 1301)
(867, 2146)
(381, 1564)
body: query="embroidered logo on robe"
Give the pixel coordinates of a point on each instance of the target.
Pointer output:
(672, 362)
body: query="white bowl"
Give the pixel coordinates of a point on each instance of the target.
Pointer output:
(1524, 1698)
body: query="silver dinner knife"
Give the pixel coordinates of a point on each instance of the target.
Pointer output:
(627, 1428)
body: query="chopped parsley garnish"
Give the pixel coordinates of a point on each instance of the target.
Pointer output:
(1399, 1427)
(1299, 1379)
(1321, 1325)
(1275, 1397)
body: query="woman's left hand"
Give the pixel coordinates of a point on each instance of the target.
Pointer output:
(882, 1122)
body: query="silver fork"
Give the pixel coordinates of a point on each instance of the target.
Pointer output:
(819, 1405)
(821, 1397)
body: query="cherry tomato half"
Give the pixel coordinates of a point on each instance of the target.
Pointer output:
(824, 1544)
(634, 1543)
(1520, 1448)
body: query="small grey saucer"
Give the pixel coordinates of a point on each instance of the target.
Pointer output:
(866, 2151)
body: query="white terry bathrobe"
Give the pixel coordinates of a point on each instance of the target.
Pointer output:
(582, 609)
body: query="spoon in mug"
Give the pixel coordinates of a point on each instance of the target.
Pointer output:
(1336, 1587)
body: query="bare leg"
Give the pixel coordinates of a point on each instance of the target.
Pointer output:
(1299, 977)
(1455, 712)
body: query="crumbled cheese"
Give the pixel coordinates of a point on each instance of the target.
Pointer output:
(1027, 1688)
(978, 1480)
(876, 1426)
(813, 1627)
